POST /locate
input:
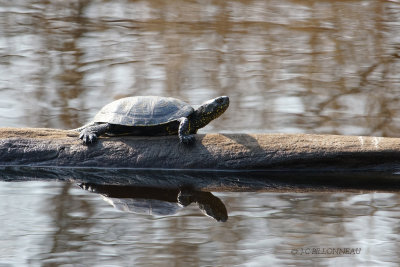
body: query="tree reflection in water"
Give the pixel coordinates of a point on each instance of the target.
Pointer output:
(315, 67)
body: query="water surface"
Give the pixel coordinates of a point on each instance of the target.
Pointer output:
(60, 223)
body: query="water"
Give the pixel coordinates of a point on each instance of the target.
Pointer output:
(288, 66)
(45, 223)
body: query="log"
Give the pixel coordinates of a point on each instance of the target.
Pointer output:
(283, 152)
(216, 162)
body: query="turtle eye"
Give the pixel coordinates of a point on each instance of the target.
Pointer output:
(219, 100)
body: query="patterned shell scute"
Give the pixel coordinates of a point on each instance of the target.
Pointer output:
(143, 111)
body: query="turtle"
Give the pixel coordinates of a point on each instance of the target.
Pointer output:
(152, 116)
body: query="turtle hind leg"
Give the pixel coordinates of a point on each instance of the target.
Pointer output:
(184, 131)
(83, 127)
(89, 134)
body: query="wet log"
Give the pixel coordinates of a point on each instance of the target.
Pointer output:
(62, 148)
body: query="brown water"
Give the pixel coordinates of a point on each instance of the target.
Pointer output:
(288, 66)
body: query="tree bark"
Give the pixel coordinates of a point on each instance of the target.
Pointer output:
(289, 152)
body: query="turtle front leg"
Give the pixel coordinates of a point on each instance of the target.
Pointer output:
(184, 131)
(89, 134)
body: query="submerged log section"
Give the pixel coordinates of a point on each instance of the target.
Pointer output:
(51, 147)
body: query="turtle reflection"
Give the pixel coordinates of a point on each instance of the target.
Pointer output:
(158, 201)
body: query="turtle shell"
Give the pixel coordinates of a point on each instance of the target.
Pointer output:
(143, 111)
(144, 206)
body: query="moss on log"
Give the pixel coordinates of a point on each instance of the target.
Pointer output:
(62, 148)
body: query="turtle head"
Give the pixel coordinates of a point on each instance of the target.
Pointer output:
(209, 111)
